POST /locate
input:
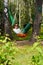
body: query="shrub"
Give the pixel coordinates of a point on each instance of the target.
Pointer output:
(7, 53)
(37, 59)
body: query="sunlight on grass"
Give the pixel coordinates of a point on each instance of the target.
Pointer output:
(24, 56)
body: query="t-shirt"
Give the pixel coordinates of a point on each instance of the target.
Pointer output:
(17, 31)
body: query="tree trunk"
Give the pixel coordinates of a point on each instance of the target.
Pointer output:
(8, 29)
(7, 25)
(37, 22)
(1, 24)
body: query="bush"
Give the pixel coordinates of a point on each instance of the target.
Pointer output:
(1, 6)
(7, 53)
(37, 59)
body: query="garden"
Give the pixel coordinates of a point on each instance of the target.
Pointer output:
(21, 32)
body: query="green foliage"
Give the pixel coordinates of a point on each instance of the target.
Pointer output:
(23, 10)
(18, 55)
(37, 59)
(7, 53)
(12, 7)
(1, 6)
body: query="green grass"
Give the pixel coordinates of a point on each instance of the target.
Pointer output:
(23, 55)
(41, 33)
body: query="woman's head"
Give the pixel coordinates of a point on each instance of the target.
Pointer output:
(16, 26)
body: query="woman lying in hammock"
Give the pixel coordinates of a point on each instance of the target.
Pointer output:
(18, 31)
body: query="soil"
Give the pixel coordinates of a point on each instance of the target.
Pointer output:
(26, 42)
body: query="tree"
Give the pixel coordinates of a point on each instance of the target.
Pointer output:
(1, 6)
(1, 17)
(27, 2)
(4, 21)
(8, 30)
(37, 20)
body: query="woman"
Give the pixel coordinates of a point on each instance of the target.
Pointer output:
(18, 31)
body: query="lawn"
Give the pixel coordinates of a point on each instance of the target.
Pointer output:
(24, 56)
(17, 55)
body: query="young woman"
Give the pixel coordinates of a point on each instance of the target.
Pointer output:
(18, 31)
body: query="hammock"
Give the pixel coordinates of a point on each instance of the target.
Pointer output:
(24, 31)
(11, 18)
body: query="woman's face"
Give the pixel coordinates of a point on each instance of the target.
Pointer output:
(16, 26)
